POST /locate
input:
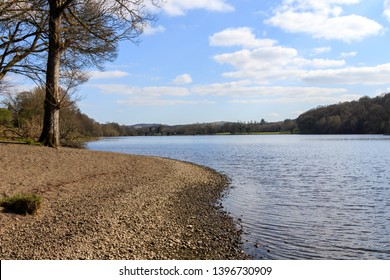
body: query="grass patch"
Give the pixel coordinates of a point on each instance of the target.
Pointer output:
(21, 203)
(13, 140)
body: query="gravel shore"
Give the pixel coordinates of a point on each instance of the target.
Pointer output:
(100, 205)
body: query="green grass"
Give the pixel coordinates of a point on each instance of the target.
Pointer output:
(19, 141)
(22, 204)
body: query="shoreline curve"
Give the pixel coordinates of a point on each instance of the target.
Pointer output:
(104, 205)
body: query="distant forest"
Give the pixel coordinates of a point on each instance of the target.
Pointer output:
(22, 115)
(365, 116)
(287, 126)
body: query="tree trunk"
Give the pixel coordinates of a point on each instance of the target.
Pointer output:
(51, 127)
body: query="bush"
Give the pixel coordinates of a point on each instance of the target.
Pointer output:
(75, 144)
(22, 203)
(5, 117)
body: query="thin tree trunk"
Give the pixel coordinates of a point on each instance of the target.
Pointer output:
(51, 127)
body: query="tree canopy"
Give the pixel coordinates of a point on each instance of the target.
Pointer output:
(365, 116)
(54, 41)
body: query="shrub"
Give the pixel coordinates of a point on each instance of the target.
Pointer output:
(75, 144)
(5, 117)
(22, 203)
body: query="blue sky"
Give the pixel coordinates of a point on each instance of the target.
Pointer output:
(228, 60)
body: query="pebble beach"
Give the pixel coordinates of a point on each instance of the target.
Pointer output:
(100, 205)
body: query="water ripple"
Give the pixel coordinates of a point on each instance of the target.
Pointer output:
(297, 197)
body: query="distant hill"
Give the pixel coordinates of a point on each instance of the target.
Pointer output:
(365, 116)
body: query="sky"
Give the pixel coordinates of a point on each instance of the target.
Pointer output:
(244, 60)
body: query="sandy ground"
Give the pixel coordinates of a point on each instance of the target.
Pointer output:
(100, 205)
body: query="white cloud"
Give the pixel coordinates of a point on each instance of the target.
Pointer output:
(15, 83)
(242, 36)
(107, 74)
(243, 92)
(319, 99)
(269, 64)
(323, 19)
(374, 75)
(260, 58)
(387, 9)
(151, 30)
(318, 63)
(155, 96)
(224, 89)
(180, 7)
(289, 94)
(139, 100)
(122, 89)
(348, 54)
(272, 64)
(161, 91)
(151, 96)
(274, 115)
(247, 91)
(182, 79)
(321, 50)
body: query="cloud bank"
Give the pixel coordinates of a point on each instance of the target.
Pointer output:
(324, 19)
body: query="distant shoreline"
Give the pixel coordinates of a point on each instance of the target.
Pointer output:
(101, 205)
(234, 134)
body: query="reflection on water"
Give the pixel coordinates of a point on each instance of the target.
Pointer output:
(297, 197)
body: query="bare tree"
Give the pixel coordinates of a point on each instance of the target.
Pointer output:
(21, 37)
(4, 86)
(54, 39)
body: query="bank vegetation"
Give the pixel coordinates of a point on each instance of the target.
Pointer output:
(21, 118)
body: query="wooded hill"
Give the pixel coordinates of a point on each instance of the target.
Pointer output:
(365, 116)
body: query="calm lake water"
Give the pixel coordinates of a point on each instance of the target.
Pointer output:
(296, 196)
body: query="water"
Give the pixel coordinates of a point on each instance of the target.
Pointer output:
(296, 196)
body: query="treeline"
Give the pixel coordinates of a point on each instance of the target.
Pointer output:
(365, 116)
(22, 117)
(287, 126)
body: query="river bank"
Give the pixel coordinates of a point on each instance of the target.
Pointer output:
(100, 205)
